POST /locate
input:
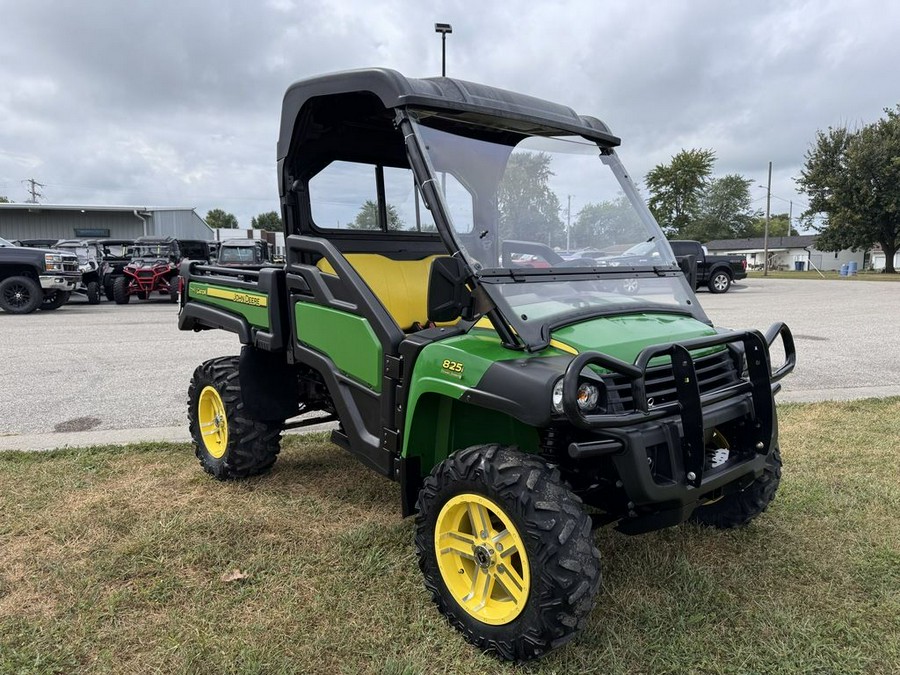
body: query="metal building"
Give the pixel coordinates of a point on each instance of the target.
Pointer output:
(57, 221)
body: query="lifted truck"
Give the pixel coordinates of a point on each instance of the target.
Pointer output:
(517, 406)
(34, 278)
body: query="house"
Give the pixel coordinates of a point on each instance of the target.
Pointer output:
(797, 252)
(877, 258)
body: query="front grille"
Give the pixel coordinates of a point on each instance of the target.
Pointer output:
(70, 266)
(145, 274)
(714, 371)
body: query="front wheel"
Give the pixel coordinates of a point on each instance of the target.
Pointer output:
(120, 290)
(228, 443)
(506, 551)
(739, 508)
(719, 282)
(20, 295)
(93, 292)
(54, 300)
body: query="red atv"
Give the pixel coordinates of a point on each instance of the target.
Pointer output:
(153, 268)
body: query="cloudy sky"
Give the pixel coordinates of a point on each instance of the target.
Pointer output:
(177, 103)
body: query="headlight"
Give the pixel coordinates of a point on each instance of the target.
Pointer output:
(557, 396)
(588, 395)
(53, 262)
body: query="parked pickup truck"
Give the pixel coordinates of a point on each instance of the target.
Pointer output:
(32, 278)
(716, 272)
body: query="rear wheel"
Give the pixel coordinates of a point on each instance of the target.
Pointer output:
(54, 300)
(108, 284)
(506, 551)
(93, 292)
(719, 282)
(739, 508)
(120, 290)
(228, 443)
(20, 295)
(173, 290)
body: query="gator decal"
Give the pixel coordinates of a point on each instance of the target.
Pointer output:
(252, 306)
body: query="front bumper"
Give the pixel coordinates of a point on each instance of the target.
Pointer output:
(60, 282)
(676, 431)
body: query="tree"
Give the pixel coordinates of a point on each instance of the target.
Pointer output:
(269, 221)
(217, 218)
(529, 209)
(852, 178)
(676, 189)
(367, 218)
(724, 210)
(4, 200)
(605, 224)
(778, 226)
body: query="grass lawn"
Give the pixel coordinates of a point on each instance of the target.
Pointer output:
(812, 274)
(115, 560)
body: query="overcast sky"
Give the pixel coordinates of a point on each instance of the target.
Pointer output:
(177, 103)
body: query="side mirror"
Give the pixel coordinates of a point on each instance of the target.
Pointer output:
(448, 296)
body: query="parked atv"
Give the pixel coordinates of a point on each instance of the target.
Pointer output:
(517, 406)
(244, 253)
(91, 263)
(117, 255)
(153, 269)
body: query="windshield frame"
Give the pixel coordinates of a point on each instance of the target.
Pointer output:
(515, 331)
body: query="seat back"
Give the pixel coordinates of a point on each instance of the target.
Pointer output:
(400, 285)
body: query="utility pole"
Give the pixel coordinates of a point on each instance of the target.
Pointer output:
(568, 222)
(790, 218)
(766, 238)
(33, 186)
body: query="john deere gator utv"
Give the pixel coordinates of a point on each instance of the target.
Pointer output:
(517, 397)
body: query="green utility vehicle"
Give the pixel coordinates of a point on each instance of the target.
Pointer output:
(519, 398)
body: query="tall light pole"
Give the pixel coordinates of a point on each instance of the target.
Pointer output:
(766, 238)
(443, 29)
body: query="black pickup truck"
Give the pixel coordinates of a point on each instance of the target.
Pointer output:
(716, 272)
(32, 278)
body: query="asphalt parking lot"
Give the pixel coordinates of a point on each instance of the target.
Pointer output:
(85, 374)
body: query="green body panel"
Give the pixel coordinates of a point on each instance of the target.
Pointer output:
(438, 423)
(252, 306)
(623, 337)
(347, 339)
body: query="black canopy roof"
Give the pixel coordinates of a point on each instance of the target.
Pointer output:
(436, 93)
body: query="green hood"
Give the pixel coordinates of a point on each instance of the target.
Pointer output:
(623, 337)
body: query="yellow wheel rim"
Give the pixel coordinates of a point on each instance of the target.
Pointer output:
(213, 425)
(482, 559)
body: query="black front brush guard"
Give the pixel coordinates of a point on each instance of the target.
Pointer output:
(759, 382)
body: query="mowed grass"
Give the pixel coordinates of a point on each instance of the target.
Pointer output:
(812, 274)
(112, 560)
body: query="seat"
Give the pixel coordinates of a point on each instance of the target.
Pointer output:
(400, 285)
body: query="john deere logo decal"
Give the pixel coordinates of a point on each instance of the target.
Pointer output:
(242, 298)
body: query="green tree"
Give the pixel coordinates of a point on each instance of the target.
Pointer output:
(367, 218)
(676, 189)
(852, 178)
(724, 210)
(269, 221)
(218, 218)
(4, 200)
(605, 224)
(529, 209)
(778, 226)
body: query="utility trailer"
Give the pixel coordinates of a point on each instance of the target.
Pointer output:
(517, 404)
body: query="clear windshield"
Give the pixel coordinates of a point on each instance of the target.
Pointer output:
(558, 211)
(153, 251)
(4, 243)
(237, 254)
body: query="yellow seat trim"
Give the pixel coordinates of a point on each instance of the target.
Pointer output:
(400, 285)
